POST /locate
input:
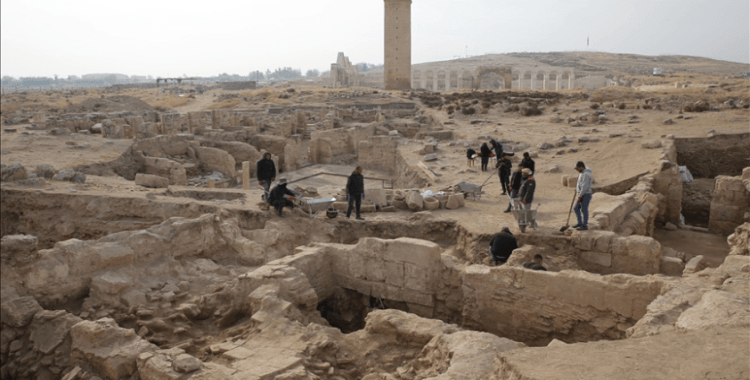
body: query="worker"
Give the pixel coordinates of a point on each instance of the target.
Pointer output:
(528, 162)
(583, 193)
(471, 154)
(505, 166)
(355, 192)
(515, 185)
(536, 263)
(486, 154)
(502, 246)
(278, 197)
(265, 171)
(526, 193)
(496, 147)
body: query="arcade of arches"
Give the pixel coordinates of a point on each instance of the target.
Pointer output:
(493, 78)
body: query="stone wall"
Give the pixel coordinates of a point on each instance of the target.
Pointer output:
(235, 86)
(379, 153)
(525, 305)
(631, 213)
(730, 206)
(602, 252)
(537, 306)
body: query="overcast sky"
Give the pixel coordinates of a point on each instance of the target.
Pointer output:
(172, 38)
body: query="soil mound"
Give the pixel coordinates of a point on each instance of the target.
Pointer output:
(119, 103)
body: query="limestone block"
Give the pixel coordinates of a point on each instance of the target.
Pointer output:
(376, 196)
(400, 204)
(18, 249)
(110, 283)
(110, 349)
(725, 212)
(422, 253)
(639, 255)
(671, 266)
(217, 159)
(417, 278)
(598, 258)
(565, 180)
(50, 328)
(151, 181)
(185, 363)
(45, 171)
(461, 199)
(452, 203)
(414, 201)
(429, 148)
(696, 264)
(394, 274)
(18, 311)
(716, 308)
(430, 203)
(572, 181)
(431, 157)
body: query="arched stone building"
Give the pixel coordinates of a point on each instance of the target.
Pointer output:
(451, 78)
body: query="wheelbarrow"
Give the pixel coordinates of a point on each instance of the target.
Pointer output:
(315, 206)
(470, 188)
(525, 218)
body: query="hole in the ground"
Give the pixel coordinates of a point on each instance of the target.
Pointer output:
(347, 309)
(708, 157)
(696, 201)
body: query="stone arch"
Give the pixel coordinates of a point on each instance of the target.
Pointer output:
(517, 77)
(528, 78)
(491, 81)
(466, 80)
(553, 81)
(540, 80)
(429, 80)
(503, 72)
(567, 80)
(453, 78)
(416, 79)
(442, 78)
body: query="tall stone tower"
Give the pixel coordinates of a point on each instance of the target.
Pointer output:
(397, 44)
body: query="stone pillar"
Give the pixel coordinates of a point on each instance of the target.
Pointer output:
(435, 83)
(397, 71)
(246, 175)
(557, 82)
(544, 82)
(448, 81)
(570, 80)
(422, 82)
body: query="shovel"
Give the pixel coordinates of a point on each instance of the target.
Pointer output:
(567, 224)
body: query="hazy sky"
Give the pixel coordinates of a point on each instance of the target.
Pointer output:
(172, 38)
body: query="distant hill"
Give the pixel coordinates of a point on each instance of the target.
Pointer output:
(596, 63)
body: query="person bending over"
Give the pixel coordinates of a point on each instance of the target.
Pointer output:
(278, 197)
(502, 246)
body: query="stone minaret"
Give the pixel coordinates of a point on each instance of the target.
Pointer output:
(397, 44)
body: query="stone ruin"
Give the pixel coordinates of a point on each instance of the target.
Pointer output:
(179, 276)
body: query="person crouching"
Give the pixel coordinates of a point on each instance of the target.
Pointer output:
(278, 197)
(502, 246)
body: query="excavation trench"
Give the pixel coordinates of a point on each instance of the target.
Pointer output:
(425, 267)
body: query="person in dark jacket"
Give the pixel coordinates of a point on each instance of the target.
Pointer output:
(278, 197)
(515, 185)
(502, 246)
(528, 162)
(505, 167)
(486, 152)
(355, 192)
(536, 263)
(497, 148)
(265, 171)
(528, 186)
(470, 156)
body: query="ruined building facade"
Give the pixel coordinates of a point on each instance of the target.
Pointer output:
(343, 73)
(397, 45)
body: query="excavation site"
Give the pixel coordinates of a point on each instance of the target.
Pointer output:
(358, 225)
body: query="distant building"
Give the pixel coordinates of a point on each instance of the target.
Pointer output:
(344, 74)
(746, 74)
(658, 71)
